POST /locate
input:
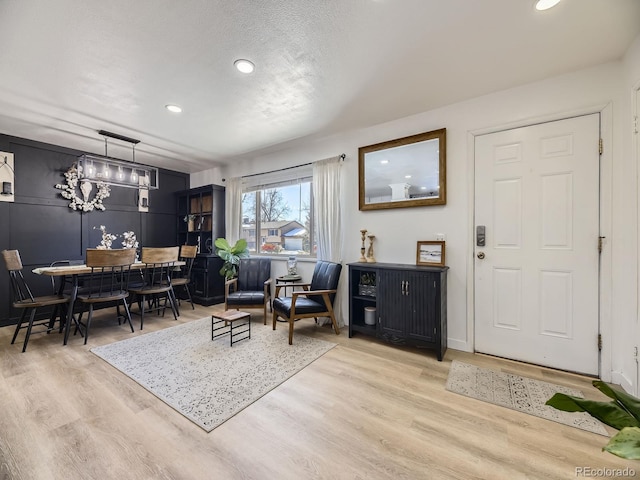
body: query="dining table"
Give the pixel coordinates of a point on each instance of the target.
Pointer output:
(75, 272)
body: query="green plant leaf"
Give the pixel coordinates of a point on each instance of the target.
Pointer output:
(625, 443)
(222, 244)
(607, 412)
(630, 403)
(224, 255)
(239, 247)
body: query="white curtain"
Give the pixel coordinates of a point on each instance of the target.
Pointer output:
(326, 198)
(233, 209)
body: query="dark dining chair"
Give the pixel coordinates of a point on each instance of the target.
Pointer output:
(314, 300)
(23, 299)
(108, 282)
(251, 288)
(155, 282)
(181, 276)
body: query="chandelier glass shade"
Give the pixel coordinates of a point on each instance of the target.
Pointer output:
(98, 168)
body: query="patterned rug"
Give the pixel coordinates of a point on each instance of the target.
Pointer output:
(517, 393)
(208, 381)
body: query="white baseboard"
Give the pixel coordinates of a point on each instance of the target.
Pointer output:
(458, 345)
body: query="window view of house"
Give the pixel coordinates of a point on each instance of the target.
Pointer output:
(284, 223)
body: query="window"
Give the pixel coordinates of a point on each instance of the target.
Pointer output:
(285, 224)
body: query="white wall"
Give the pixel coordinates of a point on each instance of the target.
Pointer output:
(398, 230)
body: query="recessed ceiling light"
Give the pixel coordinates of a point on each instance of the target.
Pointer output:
(244, 66)
(546, 4)
(407, 176)
(173, 108)
(384, 162)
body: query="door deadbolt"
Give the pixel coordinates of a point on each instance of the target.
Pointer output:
(480, 255)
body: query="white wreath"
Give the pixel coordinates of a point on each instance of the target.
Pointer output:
(82, 204)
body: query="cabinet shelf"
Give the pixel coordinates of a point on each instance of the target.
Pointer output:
(365, 298)
(411, 304)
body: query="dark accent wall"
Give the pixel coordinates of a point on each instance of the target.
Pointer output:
(44, 229)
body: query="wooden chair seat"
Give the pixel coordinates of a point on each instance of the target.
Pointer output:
(156, 282)
(181, 277)
(108, 282)
(44, 301)
(24, 300)
(104, 297)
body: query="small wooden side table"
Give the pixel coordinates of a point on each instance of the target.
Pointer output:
(288, 281)
(231, 322)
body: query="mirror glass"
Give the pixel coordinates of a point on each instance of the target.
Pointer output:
(406, 172)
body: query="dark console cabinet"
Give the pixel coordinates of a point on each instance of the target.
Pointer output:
(410, 304)
(200, 220)
(206, 282)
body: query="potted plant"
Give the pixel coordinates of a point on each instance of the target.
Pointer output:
(622, 413)
(231, 256)
(190, 220)
(367, 285)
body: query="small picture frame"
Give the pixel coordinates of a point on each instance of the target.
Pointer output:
(430, 253)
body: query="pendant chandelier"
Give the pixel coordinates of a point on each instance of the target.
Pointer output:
(120, 173)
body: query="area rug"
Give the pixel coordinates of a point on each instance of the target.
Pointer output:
(208, 381)
(517, 393)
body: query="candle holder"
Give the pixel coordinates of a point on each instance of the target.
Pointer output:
(363, 249)
(370, 256)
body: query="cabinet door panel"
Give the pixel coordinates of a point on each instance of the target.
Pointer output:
(391, 302)
(422, 306)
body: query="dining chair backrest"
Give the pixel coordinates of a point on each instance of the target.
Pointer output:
(158, 255)
(19, 287)
(110, 271)
(102, 257)
(159, 261)
(188, 254)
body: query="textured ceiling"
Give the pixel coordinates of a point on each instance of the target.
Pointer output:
(73, 67)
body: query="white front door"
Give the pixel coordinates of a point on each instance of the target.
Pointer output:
(536, 278)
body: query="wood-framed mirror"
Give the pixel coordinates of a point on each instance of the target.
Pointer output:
(406, 172)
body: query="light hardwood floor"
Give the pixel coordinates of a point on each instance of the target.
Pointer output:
(365, 410)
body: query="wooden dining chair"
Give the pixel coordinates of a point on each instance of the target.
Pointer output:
(155, 282)
(108, 282)
(23, 299)
(181, 276)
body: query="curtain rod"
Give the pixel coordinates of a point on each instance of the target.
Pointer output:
(342, 157)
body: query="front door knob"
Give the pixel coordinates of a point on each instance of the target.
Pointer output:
(480, 255)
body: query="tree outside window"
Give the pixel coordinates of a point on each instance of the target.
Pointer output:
(284, 226)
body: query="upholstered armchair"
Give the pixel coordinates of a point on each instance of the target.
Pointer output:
(315, 300)
(251, 288)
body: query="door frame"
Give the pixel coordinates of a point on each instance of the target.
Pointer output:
(606, 190)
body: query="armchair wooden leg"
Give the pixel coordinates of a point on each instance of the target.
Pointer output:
(291, 321)
(327, 302)
(335, 324)
(265, 313)
(275, 317)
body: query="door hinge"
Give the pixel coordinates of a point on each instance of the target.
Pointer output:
(600, 239)
(600, 146)
(635, 124)
(599, 342)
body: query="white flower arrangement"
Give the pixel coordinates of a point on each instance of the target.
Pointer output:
(107, 238)
(129, 239)
(82, 204)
